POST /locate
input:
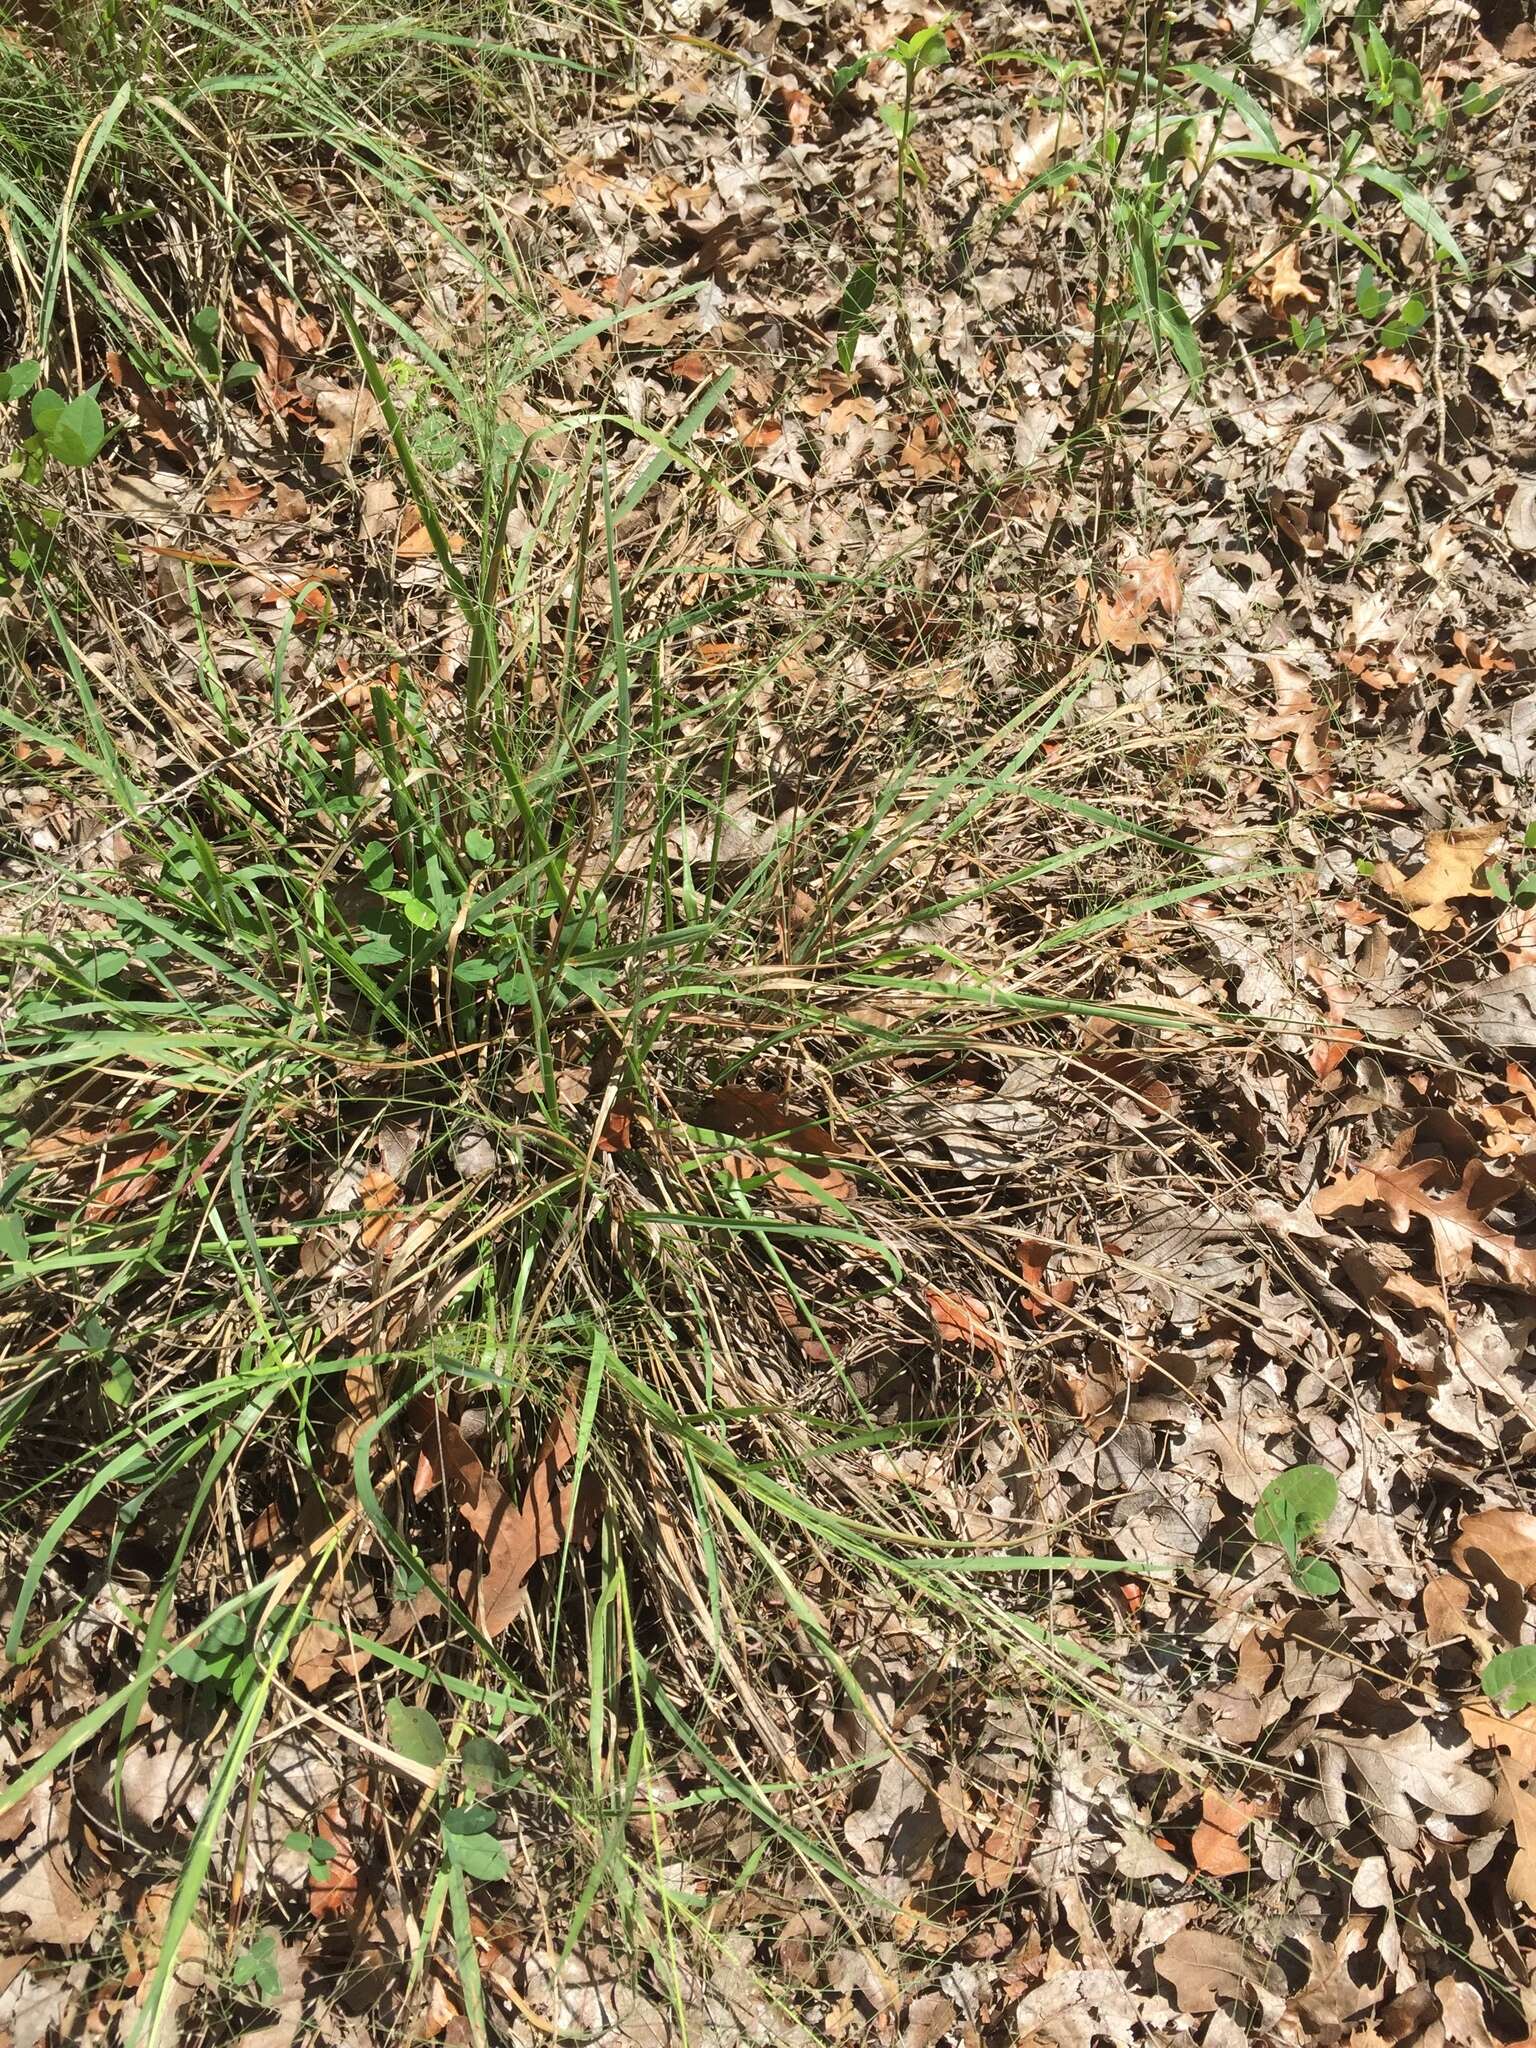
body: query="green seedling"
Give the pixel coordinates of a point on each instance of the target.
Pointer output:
(1514, 882)
(1374, 303)
(921, 51)
(67, 430)
(255, 1968)
(1289, 1512)
(223, 1659)
(467, 1823)
(320, 1852)
(1509, 1679)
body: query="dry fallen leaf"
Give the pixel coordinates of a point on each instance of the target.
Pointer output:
(1148, 583)
(961, 1319)
(1209, 1970)
(1280, 284)
(133, 1181)
(333, 1894)
(1506, 1536)
(352, 419)
(515, 1541)
(1457, 1216)
(1414, 1768)
(35, 1881)
(1387, 370)
(1216, 1844)
(1452, 862)
(233, 498)
(1445, 1599)
(415, 540)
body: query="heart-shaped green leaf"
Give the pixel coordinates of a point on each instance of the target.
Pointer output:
(1316, 1576)
(72, 431)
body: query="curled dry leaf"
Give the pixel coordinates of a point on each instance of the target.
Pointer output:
(352, 418)
(962, 1319)
(1452, 863)
(1446, 1599)
(282, 333)
(1148, 583)
(1280, 284)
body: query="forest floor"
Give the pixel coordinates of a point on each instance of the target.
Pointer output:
(768, 1141)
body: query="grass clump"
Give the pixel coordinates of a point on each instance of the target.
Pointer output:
(478, 1291)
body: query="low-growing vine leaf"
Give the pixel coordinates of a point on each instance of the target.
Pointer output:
(1294, 1506)
(1509, 1679)
(470, 1844)
(18, 380)
(415, 1734)
(256, 1968)
(1316, 1576)
(72, 430)
(473, 1818)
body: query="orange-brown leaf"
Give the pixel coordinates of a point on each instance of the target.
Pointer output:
(133, 1181)
(961, 1319)
(1452, 863)
(233, 498)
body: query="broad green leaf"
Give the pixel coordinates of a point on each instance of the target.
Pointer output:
(858, 297)
(477, 1855)
(927, 48)
(1509, 1679)
(18, 380)
(46, 408)
(415, 1734)
(75, 431)
(478, 844)
(218, 1654)
(117, 1382)
(1316, 1576)
(473, 1818)
(895, 118)
(13, 1238)
(1173, 324)
(415, 912)
(1369, 296)
(1294, 1506)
